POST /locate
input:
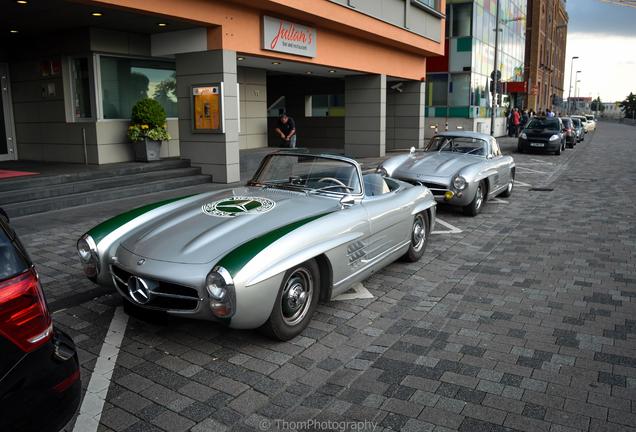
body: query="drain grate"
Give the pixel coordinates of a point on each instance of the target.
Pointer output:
(542, 189)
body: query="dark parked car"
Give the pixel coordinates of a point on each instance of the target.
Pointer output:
(570, 133)
(544, 134)
(579, 129)
(39, 372)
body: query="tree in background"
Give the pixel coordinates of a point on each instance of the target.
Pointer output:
(597, 105)
(628, 106)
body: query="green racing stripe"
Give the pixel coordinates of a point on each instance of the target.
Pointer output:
(103, 229)
(236, 260)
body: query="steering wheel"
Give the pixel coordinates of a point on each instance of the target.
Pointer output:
(339, 184)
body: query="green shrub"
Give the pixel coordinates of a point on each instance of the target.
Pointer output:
(149, 112)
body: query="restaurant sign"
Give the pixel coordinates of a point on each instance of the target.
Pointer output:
(288, 37)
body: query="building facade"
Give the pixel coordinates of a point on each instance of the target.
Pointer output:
(458, 84)
(350, 72)
(545, 54)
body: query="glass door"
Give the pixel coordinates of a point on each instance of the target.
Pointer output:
(7, 132)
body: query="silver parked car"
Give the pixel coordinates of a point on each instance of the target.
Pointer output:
(304, 229)
(460, 168)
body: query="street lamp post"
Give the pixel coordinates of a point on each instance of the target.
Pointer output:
(570, 87)
(576, 81)
(576, 90)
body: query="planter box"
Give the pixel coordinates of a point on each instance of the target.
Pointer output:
(147, 150)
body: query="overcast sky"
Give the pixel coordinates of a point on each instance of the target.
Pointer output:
(604, 37)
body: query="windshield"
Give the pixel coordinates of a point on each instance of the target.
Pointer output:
(309, 172)
(465, 145)
(589, 117)
(544, 123)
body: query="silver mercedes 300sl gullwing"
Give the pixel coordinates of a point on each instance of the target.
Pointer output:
(461, 168)
(304, 229)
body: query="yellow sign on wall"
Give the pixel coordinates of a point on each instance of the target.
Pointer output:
(207, 108)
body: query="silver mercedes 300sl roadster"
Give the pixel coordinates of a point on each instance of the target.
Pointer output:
(304, 229)
(460, 168)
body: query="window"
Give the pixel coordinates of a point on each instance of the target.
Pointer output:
(429, 3)
(324, 106)
(462, 19)
(80, 88)
(124, 81)
(460, 90)
(437, 90)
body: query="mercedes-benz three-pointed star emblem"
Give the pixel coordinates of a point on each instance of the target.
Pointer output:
(138, 290)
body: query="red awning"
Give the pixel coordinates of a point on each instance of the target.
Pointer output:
(515, 87)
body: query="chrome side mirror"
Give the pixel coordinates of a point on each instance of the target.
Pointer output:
(347, 201)
(412, 150)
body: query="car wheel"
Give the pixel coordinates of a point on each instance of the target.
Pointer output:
(511, 185)
(475, 205)
(419, 237)
(296, 302)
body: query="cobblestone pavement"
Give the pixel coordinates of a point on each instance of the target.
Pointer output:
(522, 318)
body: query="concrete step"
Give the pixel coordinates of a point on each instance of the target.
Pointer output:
(78, 199)
(67, 188)
(91, 173)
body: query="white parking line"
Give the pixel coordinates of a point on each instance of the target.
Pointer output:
(91, 410)
(359, 292)
(452, 229)
(541, 161)
(520, 183)
(498, 201)
(531, 170)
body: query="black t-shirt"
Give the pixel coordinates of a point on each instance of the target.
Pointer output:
(287, 127)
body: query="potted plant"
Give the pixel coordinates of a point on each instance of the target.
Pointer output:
(147, 129)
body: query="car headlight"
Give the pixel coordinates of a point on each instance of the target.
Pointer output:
(459, 183)
(523, 136)
(220, 288)
(382, 171)
(555, 137)
(87, 251)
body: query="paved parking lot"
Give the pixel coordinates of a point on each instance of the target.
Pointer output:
(522, 318)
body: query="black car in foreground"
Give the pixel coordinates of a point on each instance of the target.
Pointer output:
(543, 134)
(40, 385)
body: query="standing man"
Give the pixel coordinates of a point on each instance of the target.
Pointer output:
(516, 120)
(287, 130)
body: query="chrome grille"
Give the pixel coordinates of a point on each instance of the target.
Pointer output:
(164, 295)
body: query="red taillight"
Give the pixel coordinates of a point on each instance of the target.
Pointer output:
(24, 318)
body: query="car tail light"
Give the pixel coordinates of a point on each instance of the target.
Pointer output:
(24, 317)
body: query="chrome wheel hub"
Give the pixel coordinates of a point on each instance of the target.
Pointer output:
(480, 197)
(419, 233)
(296, 298)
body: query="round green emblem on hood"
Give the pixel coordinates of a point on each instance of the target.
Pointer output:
(238, 205)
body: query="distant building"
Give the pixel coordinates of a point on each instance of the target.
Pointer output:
(546, 35)
(581, 105)
(458, 84)
(612, 110)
